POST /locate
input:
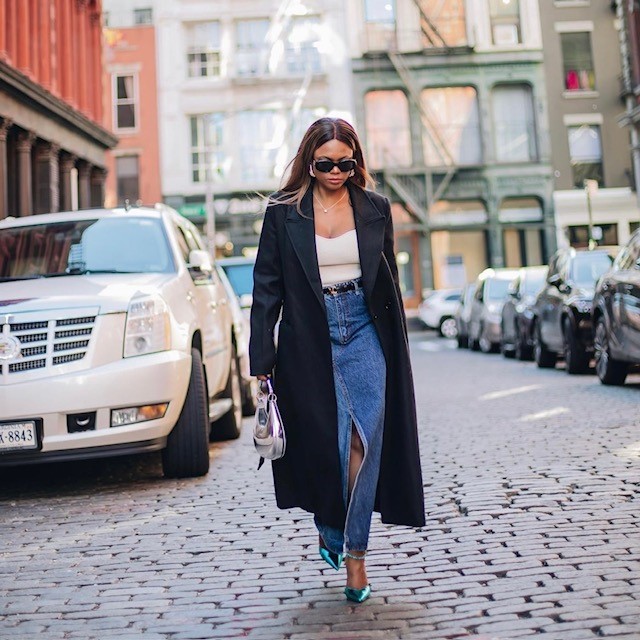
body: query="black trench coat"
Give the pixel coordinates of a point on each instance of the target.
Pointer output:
(287, 277)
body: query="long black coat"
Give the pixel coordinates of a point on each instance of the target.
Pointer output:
(287, 277)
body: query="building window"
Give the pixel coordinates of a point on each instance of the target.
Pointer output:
(380, 24)
(207, 147)
(203, 54)
(105, 18)
(143, 16)
(579, 235)
(514, 124)
(585, 150)
(301, 48)
(388, 130)
(446, 24)
(452, 134)
(505, 22)
(127, 179)
(260, 135)
(126, 99)
(577, 61)
(252, 51)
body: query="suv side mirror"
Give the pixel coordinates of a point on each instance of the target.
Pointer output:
(200, 266)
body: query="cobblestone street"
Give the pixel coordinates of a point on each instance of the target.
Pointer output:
(533, 526)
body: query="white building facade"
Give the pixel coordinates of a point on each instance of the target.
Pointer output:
(239, 81)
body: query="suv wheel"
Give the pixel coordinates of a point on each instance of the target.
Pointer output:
(187, 452)
(448, 328)
(610, 371)
(486, 346)
(463, 341)
(544, 358)
(522, 351)
(575, 356)
(229, 425)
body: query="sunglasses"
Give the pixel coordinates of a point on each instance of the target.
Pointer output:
(325, 166)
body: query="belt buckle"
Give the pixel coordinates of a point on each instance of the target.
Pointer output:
(332, 290)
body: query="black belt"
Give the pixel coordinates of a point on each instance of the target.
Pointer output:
(341, 287)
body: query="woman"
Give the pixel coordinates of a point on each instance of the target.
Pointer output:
(341, 368)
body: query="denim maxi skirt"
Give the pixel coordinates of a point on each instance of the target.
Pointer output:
(359, 372)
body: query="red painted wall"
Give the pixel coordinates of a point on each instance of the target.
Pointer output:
(134, 50)
(57, 44)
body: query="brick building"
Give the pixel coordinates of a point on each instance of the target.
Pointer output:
(52, 147)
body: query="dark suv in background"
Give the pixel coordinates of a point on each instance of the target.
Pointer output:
(616, 316)
(562, 311)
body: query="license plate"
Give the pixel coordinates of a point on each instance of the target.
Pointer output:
(18, 435)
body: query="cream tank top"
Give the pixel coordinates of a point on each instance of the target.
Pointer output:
(338, 258)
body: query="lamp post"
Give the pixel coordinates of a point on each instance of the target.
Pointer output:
(590, 188)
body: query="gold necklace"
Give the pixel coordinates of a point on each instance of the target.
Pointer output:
(325, 209)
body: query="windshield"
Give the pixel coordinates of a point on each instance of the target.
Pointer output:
(241, 277)
(107, 245)
(533, 282)
(497, 289)
(587, 267)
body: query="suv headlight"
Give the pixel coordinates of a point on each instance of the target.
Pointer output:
(148, 326)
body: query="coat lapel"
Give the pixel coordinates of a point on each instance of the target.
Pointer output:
(301, 231)
(370, 223)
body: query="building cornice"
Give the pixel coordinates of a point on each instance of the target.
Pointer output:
(38, 98)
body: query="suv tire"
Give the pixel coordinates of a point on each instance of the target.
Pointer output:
(576, 359)
(228, 427)
(187, 452)
(544, 358)
(610, 371)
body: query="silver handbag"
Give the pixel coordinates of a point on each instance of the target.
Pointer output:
(268, 432)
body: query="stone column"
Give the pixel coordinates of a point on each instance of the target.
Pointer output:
(84, 185)
(25, 188)
(5, 125)
(67, 162)
(47, 178)
(98, 178)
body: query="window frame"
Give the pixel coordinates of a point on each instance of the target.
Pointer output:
(195, 49)
(117, 102)
(143, 12)
(201, 147)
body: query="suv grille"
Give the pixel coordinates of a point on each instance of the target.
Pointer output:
(49, 342)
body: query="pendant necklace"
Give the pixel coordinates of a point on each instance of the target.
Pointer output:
(325, 209)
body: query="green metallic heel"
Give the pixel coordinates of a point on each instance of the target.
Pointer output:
(334, 560)
(357, 595)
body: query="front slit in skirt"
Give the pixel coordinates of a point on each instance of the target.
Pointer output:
(359, 372)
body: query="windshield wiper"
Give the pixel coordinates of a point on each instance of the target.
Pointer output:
(83, 272)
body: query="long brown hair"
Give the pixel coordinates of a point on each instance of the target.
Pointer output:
(299, 180)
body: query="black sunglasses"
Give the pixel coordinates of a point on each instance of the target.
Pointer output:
(325, 166)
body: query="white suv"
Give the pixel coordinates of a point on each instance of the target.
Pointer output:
(116, 337)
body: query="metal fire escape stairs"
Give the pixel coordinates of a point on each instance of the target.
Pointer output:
(407, 187)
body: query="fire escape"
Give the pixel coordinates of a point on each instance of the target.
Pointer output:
(420, 191)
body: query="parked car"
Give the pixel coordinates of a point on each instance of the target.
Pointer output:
(562, 310)
(616, 316)
(241, 330)
(116, 338)
(517, 312)
(462, 314)
(239, 270)
(438, 310)
(485, 319)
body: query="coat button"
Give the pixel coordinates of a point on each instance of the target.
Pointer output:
(375, 317)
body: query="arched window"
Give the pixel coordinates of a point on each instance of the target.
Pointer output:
(452, 134)
(388, 130)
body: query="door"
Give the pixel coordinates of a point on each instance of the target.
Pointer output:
(210, 300)
(628, 298)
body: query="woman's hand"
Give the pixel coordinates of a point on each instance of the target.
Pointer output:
(262, 378)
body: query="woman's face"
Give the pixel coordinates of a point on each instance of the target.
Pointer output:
(335, 151)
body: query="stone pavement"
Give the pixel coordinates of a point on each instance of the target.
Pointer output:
(531, 481)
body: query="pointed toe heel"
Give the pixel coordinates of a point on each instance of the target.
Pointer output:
(357, 595)
(334, 560)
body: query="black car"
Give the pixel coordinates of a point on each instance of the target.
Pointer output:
(517, 312)
(616, 316)
(562, 311)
